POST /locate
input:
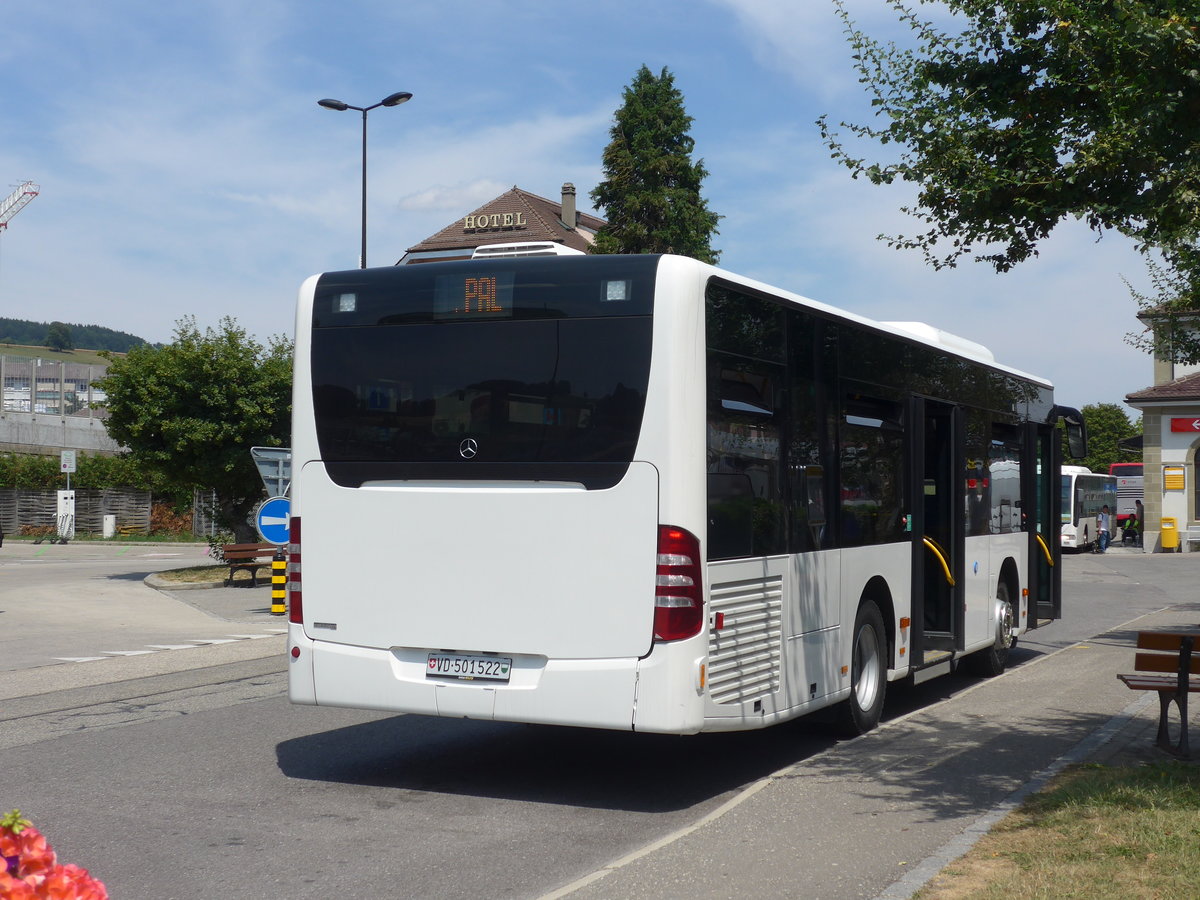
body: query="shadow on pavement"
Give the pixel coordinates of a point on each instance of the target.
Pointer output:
(548, 764)
(604, 769)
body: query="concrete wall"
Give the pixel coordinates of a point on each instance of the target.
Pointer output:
(48, 434)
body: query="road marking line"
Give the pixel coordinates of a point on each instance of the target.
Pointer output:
(80, 658)
(126, 652)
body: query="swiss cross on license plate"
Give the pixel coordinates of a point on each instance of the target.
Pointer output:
(468, 668)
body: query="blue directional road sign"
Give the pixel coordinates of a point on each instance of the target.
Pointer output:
(272, 520)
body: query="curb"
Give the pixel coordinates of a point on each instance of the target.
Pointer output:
(161, 584)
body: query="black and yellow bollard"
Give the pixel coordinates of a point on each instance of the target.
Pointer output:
(279, 584)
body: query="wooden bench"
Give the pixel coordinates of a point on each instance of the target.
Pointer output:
(248, 557)
(1171, 652)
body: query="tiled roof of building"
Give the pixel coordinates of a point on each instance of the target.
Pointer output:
(515, 215)
(1162, 309)
(1185, 388)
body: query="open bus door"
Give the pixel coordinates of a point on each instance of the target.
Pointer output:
(1041, 500)
(1041, 508)
(938, 535)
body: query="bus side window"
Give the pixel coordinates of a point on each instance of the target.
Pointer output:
(978, 486)
(872, 473)
(745, 479)
(1004, 472)
(730, 515)
(814, 490)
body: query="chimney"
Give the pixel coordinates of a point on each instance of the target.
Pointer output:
(568, 205)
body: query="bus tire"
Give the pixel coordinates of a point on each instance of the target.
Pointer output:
(990, 662)
(860, 712)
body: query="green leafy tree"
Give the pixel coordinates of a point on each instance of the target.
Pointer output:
(1039, 111)
(1171, 314)
(191, 410)
(58, 337)
(1107, 424)
(651, 192)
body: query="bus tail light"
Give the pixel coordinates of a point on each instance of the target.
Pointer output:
(679, 587)
(295, 602)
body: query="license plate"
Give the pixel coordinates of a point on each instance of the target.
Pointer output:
(468, 668)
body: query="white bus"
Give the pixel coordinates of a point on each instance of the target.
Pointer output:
(1084, 494)
(639, 492)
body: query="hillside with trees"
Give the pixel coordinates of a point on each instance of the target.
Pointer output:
(66, 336)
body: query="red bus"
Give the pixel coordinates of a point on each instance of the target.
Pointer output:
(1129, 489)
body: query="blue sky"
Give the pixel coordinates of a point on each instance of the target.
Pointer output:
(186, 169)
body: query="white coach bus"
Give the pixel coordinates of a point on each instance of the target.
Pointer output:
(639, 492)
(1084, 494)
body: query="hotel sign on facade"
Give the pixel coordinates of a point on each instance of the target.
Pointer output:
(496, 220)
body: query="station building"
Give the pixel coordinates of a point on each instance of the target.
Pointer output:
(1170, 451)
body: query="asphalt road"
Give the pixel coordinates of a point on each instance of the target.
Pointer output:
(86, 601)
(185, 773)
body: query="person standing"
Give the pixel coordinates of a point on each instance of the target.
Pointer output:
(1141, 517)
(1103, 526)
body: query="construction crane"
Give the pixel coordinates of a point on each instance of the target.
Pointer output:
(17, 201)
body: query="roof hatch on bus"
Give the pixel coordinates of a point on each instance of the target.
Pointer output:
(527, 248)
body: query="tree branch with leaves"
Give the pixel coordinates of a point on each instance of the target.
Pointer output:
(1037, 111)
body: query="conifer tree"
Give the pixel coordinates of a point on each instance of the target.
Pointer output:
(651, 192)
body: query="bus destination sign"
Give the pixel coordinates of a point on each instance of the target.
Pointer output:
(481, 296)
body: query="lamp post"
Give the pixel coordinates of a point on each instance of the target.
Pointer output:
(337, 105)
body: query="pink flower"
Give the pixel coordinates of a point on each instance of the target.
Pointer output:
(15, 889)
(70, 882)
(30, 869)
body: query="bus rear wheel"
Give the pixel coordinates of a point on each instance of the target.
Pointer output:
(860, 712)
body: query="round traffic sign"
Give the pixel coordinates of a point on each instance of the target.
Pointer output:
(272, 518)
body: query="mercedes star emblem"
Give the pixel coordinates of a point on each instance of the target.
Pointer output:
(468, 448)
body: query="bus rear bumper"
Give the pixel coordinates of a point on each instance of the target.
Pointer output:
(592, 693)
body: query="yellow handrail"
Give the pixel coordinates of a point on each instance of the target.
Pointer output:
(1045, 549)
(937, 551)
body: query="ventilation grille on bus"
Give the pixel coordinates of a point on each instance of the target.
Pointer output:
(744, 655)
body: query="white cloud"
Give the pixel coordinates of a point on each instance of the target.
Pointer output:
(450, 200)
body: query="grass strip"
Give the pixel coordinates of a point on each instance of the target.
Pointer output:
(1095, 831)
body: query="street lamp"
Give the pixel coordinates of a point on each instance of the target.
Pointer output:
(337, 105)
